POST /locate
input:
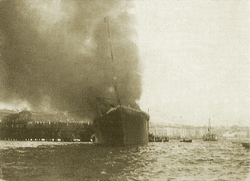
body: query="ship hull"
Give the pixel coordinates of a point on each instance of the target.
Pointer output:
(210, 137)
(122, 126)
(186, 140)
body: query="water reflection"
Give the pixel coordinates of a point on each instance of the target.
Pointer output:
(157, 161)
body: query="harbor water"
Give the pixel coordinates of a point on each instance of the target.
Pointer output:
(174, 160)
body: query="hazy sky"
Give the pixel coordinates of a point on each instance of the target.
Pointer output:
(195, 58)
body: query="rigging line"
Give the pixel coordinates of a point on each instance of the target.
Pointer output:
(112, 59)
(110, 44)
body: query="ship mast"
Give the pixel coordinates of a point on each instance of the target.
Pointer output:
(112, 60)
(209, 126)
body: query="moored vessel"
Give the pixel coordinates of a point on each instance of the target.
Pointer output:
(210, 136)
(122, 126)
(186, 140)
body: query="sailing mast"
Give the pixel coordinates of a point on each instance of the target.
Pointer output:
(112, 59)
(209, 126)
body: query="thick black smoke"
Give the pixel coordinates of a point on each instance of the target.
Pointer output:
(55, 53)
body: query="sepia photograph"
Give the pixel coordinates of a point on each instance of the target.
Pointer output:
(124, 90)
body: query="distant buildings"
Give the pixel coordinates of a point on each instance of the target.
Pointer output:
(177, 132)
(239, 134)
(184, 131)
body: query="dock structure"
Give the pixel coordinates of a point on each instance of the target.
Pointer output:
(16, 129)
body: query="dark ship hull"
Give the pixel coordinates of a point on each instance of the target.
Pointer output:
(122, 126)
(186, 140)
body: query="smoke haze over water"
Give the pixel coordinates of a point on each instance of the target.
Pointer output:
(55, 54)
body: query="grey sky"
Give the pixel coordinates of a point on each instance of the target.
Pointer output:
(195, 57)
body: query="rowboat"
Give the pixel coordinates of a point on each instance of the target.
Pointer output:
(186, 140)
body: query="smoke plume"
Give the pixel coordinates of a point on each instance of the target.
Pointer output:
(55, 54)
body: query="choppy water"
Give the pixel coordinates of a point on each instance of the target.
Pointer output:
(221, 160)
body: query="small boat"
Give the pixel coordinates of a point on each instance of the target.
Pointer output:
(186, 140)
(246, 145)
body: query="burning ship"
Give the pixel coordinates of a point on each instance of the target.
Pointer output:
(120, 125)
